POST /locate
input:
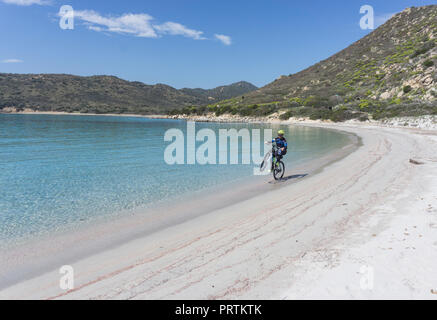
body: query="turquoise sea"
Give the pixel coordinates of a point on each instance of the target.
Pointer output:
(61, 170)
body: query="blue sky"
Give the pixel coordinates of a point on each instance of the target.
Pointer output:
(182, 43)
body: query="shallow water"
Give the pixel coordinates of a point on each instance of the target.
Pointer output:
(57, 171)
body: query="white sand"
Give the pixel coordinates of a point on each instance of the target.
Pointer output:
(306, 240)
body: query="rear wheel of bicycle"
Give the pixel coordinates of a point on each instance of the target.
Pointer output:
(278, 170)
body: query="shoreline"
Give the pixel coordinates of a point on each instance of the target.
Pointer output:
(425, 122)
(306, 240)
(105, 233)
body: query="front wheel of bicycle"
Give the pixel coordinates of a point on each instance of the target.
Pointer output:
(278, 170)
(265, 161)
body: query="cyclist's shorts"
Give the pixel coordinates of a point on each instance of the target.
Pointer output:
(279, 152)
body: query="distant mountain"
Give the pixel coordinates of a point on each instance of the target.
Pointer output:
(103, 94)
(389, 72)
(221, 93)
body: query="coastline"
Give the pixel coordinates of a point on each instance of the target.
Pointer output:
(104, 233)
(426, 122)
(306, 240)
(140, 148)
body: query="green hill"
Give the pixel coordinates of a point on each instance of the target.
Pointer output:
(103, 94)
(389, 72)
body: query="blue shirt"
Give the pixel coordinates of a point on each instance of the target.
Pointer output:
(280, 142)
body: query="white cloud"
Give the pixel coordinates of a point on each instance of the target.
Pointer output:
(226, 40)
(12, 61)
(135, 24)
(383, 18)
(178, 29)
(27, 2)
(95, 28)
(140, 25)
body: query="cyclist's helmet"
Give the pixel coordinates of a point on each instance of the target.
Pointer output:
(281, 132)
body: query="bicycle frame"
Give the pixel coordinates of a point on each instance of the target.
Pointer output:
(274, 159)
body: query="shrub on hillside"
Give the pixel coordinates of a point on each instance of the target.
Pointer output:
(317, 102)
(407, 89)
(424, 49)
(428, 63)
(405, 110)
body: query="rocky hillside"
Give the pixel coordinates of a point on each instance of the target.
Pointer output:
(103, 94)
(223, 92)
(389, 72)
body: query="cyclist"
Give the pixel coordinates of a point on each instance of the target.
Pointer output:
(281, 143)
(279, 151)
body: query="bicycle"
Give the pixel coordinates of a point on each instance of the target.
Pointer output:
(277, 167)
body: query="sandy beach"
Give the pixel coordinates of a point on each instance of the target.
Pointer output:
(364, 227)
